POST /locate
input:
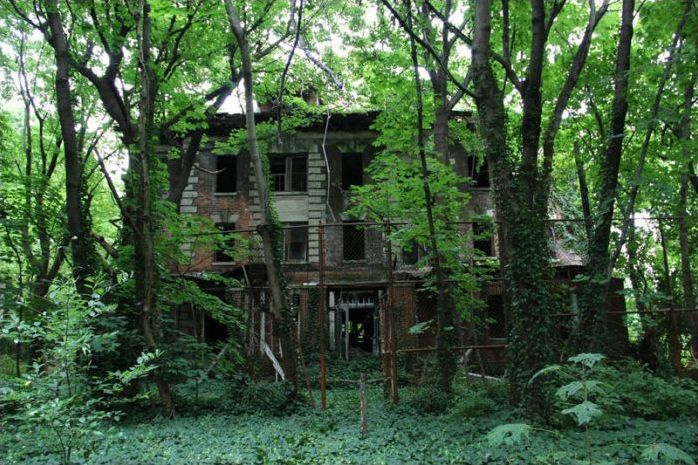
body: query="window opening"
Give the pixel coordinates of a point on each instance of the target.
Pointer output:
(352, 170)
(289, 173)
(482, 238)
(224, 247)
(296, 242)
(354, 244)
(479, 173)
(226, 173)
(495, 314)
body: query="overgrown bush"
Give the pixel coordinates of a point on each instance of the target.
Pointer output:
(583, 397)
(477, 399)
(635, 391)
(58, 405)
(426, 400)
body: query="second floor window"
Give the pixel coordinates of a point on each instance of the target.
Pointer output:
(289, 173)
(296, 242)
(226, 173)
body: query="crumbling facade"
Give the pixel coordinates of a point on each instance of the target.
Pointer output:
(311, 172)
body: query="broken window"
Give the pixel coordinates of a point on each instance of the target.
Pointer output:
(224, 247)
(289, 173)
(296, 242)
(352, 170)
(226, 173)
(354, 244)
(478, 172)
(482, 238)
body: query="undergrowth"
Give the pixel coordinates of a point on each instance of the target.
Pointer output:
(235, 421)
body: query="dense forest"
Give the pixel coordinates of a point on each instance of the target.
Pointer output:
(370, 231)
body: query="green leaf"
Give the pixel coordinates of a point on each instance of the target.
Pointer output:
(583, 413)
(666, 453)
(509, 434)
(575, 387)
(420, 327)
(586, 359)
(569, 390)
(546, 370)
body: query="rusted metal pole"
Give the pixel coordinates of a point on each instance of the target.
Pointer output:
(674, 332)
(390, 316)
(321, 317)
(362, 396)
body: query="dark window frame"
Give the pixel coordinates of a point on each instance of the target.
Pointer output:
(290, 178)
(294, 231)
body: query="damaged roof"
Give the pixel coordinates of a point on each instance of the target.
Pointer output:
(223, 123)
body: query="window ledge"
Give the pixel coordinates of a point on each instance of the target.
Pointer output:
(215, 263)
(290, 193)
(224, 194)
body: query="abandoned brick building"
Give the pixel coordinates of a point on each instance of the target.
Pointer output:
(311, 173)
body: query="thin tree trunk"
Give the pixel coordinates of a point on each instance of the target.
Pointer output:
(445, 334)
(145, 260)
(583, 192)
(592, 332)
(269, 230)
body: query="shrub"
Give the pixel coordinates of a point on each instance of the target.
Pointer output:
(476, 399)
(427, 400)
(58, 405)
(634, 391)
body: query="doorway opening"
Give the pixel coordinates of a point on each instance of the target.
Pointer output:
(357, 330)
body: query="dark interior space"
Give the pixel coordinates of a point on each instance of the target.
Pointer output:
(495, 315)
(214, 330)
(361, 329)
(482, 238)
(477, 170)
(226, 173)
(352, 170)
(354, 243)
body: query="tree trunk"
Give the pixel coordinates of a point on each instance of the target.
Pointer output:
(591, 333)
(684, 242)
(647, 349)
(269, 229)
(524, 250)
(81, 245)
(144, 256)
(445, 318)
(686, 273)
